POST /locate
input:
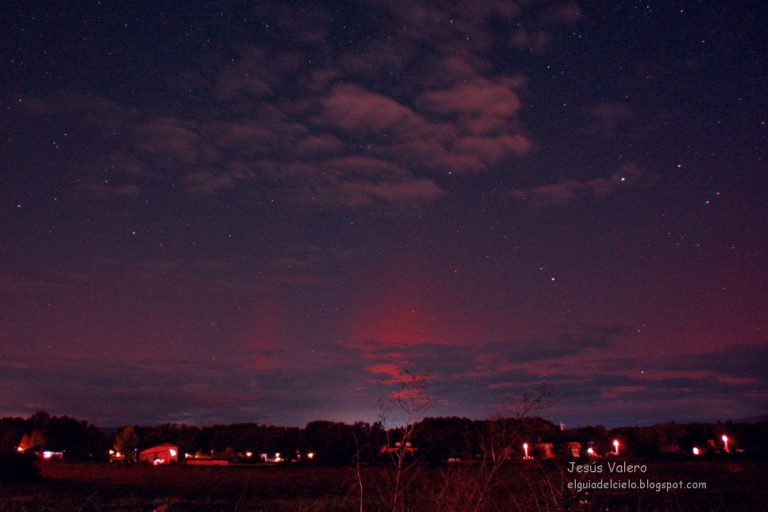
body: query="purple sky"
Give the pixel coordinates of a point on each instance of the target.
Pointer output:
(279, 213)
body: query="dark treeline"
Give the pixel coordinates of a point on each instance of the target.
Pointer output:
(80, 440)
(435, 440)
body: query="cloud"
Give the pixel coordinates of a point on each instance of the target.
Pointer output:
(361, 193)
(481, 133)
(481, 106)
(578, 361)
(207, 183)
(316, 145)
(566, 192)
(357, 193)
(493, 149)
(477, 377)
(353, 108)
(132, 389)
(225, 155)
(364, 166)
(168, 137)
(371, 126)
(740, 360)
(485, 112)
(489, 359)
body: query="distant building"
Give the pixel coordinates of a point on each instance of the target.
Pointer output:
(31, 442)
(574, 449)
(35, 443)
(545, 450)
(51, 455)
(116, 456)
(398, 448)
(165, 453)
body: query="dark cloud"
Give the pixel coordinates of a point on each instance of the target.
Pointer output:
(581, 372)
(746, 361)
(280, 384)
(484, 366)
(258, 385)
(265, 385)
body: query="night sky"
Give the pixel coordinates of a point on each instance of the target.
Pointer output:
(283, 212)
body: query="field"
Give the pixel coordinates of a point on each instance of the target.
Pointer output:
(94, 487)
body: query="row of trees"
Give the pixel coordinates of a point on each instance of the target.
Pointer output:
(80, 440)
(434, 439)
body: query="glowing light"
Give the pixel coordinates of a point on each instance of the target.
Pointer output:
(173, 452)
(725, 440)
(590, 451)
(47, 455)
(311, 455)
(615, 446)
(696, 451)
(19, 449)
(111, 452)
(526, 456)
(249, 454)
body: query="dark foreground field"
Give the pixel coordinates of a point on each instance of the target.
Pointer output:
(729, 486)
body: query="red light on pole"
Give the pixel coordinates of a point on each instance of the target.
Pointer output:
(725, 440)
(526, 456)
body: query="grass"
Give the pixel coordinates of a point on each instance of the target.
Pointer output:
(104, 487)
